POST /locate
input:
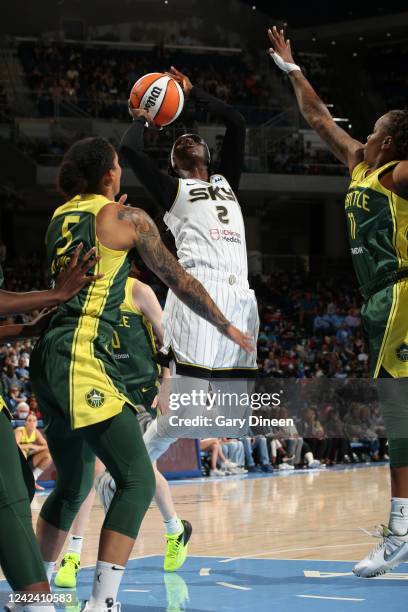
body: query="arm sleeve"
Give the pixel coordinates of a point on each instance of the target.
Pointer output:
(233, 148)
(161, 187)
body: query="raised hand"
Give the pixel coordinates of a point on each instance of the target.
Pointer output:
(140, 112)
(74, 277)
(281, 51)
(182, 79)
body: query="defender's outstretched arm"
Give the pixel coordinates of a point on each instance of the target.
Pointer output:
(343, 146)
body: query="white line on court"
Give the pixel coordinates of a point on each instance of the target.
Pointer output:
(136, 590)
(334, 598)
(205, 571)
(233, 586)
(318, 574)
(273, 552)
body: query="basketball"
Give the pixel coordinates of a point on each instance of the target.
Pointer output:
(161, 95)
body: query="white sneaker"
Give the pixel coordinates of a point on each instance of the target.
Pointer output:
(236, 470)
(285, 467)
(108, 607)
(216, 473)
(390, 552)
(106, 489)
(315, 465)
(229, 464)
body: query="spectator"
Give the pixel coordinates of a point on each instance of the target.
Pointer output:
(233, 450)
(213, 447)
(34, 446)
(256, 445)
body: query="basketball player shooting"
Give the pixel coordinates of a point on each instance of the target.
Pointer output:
(205, 219)
(376, 205)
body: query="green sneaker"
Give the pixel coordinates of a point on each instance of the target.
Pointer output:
(177, 548)
(67, 573)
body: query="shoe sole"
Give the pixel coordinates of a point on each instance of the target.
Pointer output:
(65, 585)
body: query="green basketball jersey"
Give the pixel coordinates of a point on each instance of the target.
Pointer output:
(377, 221)
(72, 223)
(133, 345)
(84, 376)
(2, 402)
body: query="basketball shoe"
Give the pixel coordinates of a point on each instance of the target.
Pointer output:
(67, 573)
(177, 547)
(109, 606)
(387, 554)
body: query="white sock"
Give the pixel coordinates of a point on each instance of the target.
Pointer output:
(106, 583)
(399, 516)
(49, 567)
(309, 458)
(75, 544)
(173, 525)
(37, 473)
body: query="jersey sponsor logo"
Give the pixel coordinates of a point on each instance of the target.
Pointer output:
(211, 193)
(217, 179)
(402, 352)
(226, 235)
(121, 355)
(357, 250)
(95, 398)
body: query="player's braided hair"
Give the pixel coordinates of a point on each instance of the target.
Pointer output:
(397, 127)
(84, 165)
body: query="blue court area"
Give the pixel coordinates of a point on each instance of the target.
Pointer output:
(215, 584)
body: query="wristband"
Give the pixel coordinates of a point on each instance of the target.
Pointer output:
(285, 66)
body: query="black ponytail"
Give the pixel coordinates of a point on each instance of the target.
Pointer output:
(84, 165)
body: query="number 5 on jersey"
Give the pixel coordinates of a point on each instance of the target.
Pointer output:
(65, 232)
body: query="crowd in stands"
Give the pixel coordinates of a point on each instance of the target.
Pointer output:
(293, 156)
(98, 79)
(310, 326)
(65, 78)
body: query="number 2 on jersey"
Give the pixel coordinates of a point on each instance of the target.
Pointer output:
(222, 214)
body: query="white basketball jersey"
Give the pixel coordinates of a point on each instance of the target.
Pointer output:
(207, 224)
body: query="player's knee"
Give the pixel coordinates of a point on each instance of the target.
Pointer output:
(139, 476)
(72, 498)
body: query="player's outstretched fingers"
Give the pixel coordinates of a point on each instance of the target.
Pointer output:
(90, 279)
(122, 199)
(75, 256)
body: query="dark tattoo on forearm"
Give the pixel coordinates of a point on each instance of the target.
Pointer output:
(159, 259)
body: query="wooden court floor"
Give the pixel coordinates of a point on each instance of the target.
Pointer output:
(313, 515)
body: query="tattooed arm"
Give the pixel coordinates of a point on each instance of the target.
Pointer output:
(123, 227)
(343, 146)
